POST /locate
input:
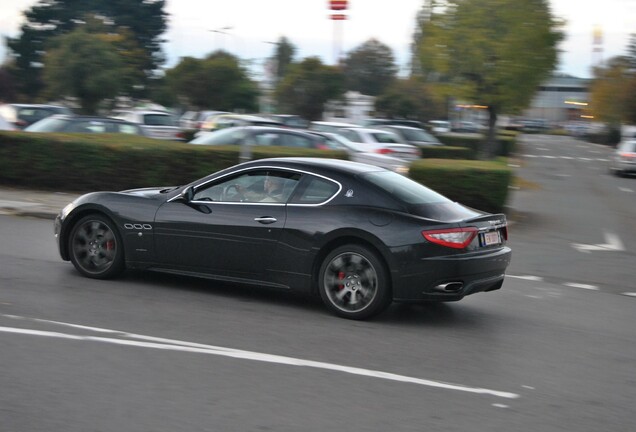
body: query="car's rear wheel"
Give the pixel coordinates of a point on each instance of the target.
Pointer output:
(97, 250)
(353, 282)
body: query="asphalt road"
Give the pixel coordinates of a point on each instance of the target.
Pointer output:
(150, 352)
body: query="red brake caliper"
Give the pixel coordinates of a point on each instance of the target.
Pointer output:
(110, 245)
(341, 276)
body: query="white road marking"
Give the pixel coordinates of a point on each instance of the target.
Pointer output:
(583, 286)
(630, 294)
(530, 278)
(612, 243)
(628, 190)
(249, 355)
(500, 406)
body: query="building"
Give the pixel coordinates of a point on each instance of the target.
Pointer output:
(560, 99)
(353, 108)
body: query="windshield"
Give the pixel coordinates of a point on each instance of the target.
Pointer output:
(418, 135)
(229, 136)
(49, 124)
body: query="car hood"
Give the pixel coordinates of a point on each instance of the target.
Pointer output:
(149, 192)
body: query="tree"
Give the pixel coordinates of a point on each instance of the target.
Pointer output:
(85, 66)
(370, 68)
(410, 99)
(307, 86)
(145, 20)
(7, 85)
(283, 57)
(490, 52)
(217, 81)
(609, 91)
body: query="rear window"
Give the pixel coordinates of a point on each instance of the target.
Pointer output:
(403, 188)
(159, 120)
(49, 124)
(419, 199)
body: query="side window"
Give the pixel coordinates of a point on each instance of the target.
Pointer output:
(127, 129)
(266, 139)
(87, 127)
(292, 140)
(255, 186)
(316, 191)
(351, 135)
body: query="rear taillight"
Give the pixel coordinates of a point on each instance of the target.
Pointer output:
(180, 135)
(456, 238)
(628, 156)
(384, 151)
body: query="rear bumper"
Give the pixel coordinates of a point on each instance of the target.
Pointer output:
(451, 278)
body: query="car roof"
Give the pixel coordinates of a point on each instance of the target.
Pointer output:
(338, 124)
(88, 117)
(340, 166)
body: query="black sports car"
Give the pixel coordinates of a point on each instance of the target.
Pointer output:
(358, 235)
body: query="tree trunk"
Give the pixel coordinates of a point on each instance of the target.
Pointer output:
(489, 147)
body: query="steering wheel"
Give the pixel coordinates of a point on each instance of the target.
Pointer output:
(233, 193)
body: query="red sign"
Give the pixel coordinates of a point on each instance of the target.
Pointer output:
(338, 17)
(337, 4)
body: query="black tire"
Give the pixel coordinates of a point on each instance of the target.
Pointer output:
(353, 282)
(96, 249)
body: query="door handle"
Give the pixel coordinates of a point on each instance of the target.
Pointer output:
(265, 219)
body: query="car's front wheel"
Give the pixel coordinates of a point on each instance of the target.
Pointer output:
(97, 250)
(353, 282)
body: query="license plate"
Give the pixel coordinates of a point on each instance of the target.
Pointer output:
(490, 238)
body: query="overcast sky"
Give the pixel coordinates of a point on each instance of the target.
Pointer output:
(253, 23)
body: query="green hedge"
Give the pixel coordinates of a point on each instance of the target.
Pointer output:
(482, 185)
(506, 142)
(446, 152)
(87, 162)
(82, 163)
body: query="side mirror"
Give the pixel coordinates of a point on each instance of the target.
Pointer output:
(188, 194)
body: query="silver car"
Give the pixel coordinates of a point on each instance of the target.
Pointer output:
(623, 160)
(382, 142)
(156, 124)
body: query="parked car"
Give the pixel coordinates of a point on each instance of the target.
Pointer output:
(357, 235)
(360, 153)
(23, 115)
(223, 121)
(264, 136)
(439, 126)
(194, 120)
(333, 127)
(84, 124)
(466, 127)
(402, 122)
(290, 120)
(623, 159)
(381, 141)
(156, 124)
(412, 135)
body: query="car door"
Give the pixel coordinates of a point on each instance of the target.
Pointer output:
(229, 227)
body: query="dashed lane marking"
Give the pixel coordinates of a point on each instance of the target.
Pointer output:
(623, 189)
(530, 278)
(580, 285)
(630, 294)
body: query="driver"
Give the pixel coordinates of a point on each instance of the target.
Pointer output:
(273, 189)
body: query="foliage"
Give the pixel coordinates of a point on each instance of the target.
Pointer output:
(307, 87)
(88, 162)
(144, 19)
(489, 52)
(482, 185)
(94, 65)
(505, 144)
(370, 68)
(283, 57)
(608, 96)
(7, 85)
(446, 152)
(409, 98)
(218, 82)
